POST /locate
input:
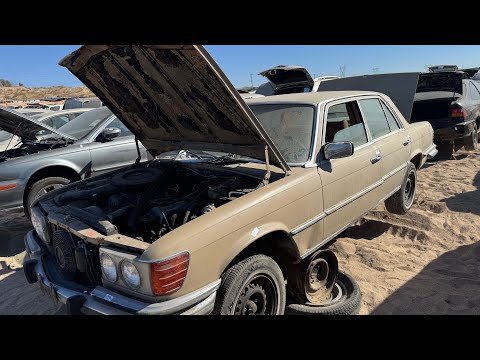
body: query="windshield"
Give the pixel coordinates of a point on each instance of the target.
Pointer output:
(290, 128)
(83, 124)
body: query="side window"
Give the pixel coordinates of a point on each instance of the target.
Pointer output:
(118, 124)
(474, 92)
(375, 117)
(344, 123)
(392, 122)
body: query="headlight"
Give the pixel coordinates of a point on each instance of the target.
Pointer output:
(130, 274)
(39, 222)
(109, 269)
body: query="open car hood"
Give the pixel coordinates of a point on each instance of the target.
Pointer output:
(23, 125)
(172, 97)
(289, 76)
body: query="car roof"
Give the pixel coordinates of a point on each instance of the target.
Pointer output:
(60, 112)
(308, 98)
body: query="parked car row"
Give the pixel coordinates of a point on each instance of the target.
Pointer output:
(230, 204)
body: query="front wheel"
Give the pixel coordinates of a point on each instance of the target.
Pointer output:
(402, 200)
(471, 143)
(42, 187)
(254, 286)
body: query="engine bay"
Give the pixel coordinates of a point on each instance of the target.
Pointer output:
(28, 147)
(146, 203)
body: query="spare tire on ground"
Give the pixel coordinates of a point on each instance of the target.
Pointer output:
(345, 300)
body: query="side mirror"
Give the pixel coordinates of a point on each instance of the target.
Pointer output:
(336, 150)
(110, 133)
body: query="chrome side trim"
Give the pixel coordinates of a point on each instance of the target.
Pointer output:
(334, 208)
(393, 172)
(353, 198)
(308, 223)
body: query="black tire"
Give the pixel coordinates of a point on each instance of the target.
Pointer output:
(346, 300)
(37, 189)
(252, 278)
(402, 200)
(471, 143)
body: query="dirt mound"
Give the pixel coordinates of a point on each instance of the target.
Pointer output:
(25, 93)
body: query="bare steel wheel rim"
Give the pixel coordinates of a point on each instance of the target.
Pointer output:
(47, 189)
(259, 296)
(316, 281)
(409, 192)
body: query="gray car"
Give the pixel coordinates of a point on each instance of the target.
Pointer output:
(91, 144)
(54, 119)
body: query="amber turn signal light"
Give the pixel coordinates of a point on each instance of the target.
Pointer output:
(167, 276)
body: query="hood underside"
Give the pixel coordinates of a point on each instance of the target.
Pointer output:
(22, 125)
(172, 97)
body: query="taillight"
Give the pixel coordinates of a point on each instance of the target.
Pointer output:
(167, 276)
(458, 113)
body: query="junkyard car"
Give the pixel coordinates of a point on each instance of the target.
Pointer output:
(91, 144)
(50, 118)
(221, 235)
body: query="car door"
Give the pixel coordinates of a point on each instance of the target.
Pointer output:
(390, 140)
(115, 153)
(349, 184)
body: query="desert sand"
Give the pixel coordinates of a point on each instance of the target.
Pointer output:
(426, 262)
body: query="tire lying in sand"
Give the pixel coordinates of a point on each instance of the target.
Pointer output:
(400, 202)
(346, 299)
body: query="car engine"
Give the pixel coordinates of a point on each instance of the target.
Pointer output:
(147, 202)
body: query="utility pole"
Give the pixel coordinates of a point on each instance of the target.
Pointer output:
(251, 79)
(343, 69)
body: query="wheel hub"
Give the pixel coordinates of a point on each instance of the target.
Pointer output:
(316, 280)
(252, 301)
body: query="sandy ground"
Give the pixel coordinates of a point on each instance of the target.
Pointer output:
(426, 262)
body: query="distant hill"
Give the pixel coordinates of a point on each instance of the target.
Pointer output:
(24, 93)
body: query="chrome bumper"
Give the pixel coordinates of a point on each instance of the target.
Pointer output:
(106, 302)
(431, 152)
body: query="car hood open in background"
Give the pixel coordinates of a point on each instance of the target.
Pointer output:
(172, 97)
(23, 125)
(288, 76)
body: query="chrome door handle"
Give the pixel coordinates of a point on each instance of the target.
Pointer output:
(376, 159)
(407, 141)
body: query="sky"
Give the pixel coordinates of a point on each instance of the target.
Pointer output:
(37, 65)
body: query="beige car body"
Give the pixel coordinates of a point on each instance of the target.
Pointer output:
(288, 219)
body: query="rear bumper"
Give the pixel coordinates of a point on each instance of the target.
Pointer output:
(431, 151)
(106, 302)
(454, 131)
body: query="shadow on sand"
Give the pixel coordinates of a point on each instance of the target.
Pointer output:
(467, 202)
(448, 285)
(12, 230)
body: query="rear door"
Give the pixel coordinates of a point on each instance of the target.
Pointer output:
(350, 184)
(390, 141)
(116, 153)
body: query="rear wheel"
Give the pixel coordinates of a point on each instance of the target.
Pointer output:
(254, 286)
(42, 187)
(402, 200)
(471, 143)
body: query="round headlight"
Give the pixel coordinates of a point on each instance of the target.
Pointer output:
(130, 274)
(109, 269)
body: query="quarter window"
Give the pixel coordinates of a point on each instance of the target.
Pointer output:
(344, 123)
(375, 117)
(392, 122)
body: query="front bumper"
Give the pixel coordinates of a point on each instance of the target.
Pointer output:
(106, 302)
(11, 200)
